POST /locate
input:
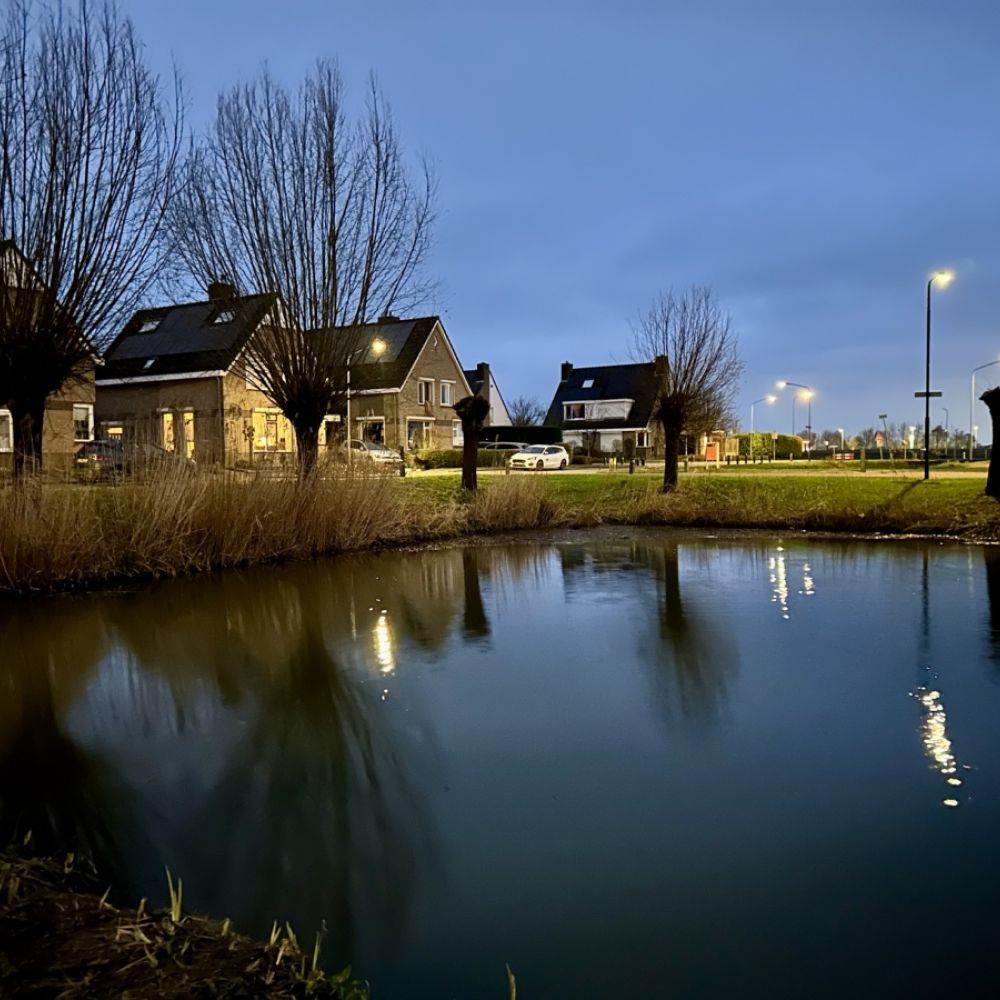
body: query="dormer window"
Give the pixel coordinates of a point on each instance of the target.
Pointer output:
(148, 325)
(149, 364)
(223, 316)
(588, 383)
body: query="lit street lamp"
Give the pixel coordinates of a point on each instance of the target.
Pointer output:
(972, 399)
(376, 347)
(763, 399)
(943, 279)
(806, 394)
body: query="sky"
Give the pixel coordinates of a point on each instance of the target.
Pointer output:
(812, 162)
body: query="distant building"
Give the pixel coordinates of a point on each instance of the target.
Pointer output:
(482, 383)
(608, 409)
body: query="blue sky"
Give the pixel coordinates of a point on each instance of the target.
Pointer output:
(812, 162)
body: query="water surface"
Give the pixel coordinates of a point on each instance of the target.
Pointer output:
(634, 764)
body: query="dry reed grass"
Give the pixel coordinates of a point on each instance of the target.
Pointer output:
(63, 536)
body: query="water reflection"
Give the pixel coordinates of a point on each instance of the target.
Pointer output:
(779, 576)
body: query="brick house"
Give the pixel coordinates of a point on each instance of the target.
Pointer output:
(69, 413)
(175, 376)
(608, 409)
(406, 384)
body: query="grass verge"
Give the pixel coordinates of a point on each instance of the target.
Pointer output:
(56, 536)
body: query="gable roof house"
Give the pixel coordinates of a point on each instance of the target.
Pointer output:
(405, 385)
(69, 413)
(608, 409)
(175, 377)
(482, 383)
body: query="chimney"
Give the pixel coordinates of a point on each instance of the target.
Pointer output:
(483, 374)
(567, 367)
(388, 318)
(221, 291)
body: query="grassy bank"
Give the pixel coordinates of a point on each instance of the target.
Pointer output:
(57, 536)
(61, 937)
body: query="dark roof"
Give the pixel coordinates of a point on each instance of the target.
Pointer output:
(186, 338)
(636, 382)
(404, 341)
(472, 377)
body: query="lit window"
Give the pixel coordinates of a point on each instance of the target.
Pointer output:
(457, 437)
(425, 391)
(83, 422)
(188, 425)
(223, 316)
(271, 431)
(6, 431)
(167, 437)
(573, 411)
(588, 383)
(148, 325)
(446, 393)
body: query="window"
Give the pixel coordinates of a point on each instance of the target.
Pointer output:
(573, 411)
(114, 432)
(6, 431)
(271, 431)
(457, 437)
(167, 437)
(642, 439)
(425, 391)
(588, 383)
(223, 316)
(148, 325)
(83, 422)
(188, 424)
(447, 393)
(418, 434)
(149, 364)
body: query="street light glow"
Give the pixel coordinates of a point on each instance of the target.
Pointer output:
(378, 347)
(780, 385)
(943, 278)
(771, 399)
(806, 394)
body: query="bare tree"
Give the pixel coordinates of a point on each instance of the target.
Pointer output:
(472, 411)
(287, 194)
(698, 366)
(88, 159)
(525, 411)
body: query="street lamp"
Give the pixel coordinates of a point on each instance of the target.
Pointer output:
(947, 434)
(840, 431)
(943, 280)
(972, 398)
(806, 394)
(763, 399)
(376, 347)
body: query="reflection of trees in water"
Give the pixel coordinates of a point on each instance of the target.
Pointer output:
(991, 557)
(696, 657)
(49, 785)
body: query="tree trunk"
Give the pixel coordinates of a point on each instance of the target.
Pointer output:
(472, 411)
(28, 419)
(671, 453)
(307, 441)
(992, 400)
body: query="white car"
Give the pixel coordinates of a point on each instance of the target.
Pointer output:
(540, 456)
(366, 451)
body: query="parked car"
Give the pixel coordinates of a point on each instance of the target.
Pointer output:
(540, 456)
(503, 445)
(114, 459)
(368, 451)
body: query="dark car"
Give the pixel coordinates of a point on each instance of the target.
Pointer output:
(115, 459)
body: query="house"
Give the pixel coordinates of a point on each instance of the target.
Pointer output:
(608, 409)
(176, 376)
(405, 387)
(69, 413)
(482, 383)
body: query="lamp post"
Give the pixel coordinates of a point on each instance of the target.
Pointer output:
(806, 394)
(376, 347)
(763, 399)
(943, 279)
(972, 398)
(840, 431)
(947, 435)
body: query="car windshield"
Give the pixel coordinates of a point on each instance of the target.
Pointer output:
(535, 449)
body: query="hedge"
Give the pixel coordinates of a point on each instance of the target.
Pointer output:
(451, 458)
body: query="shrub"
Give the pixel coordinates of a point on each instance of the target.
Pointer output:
(451, 458)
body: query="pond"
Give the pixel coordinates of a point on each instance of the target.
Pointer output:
(632, 763)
